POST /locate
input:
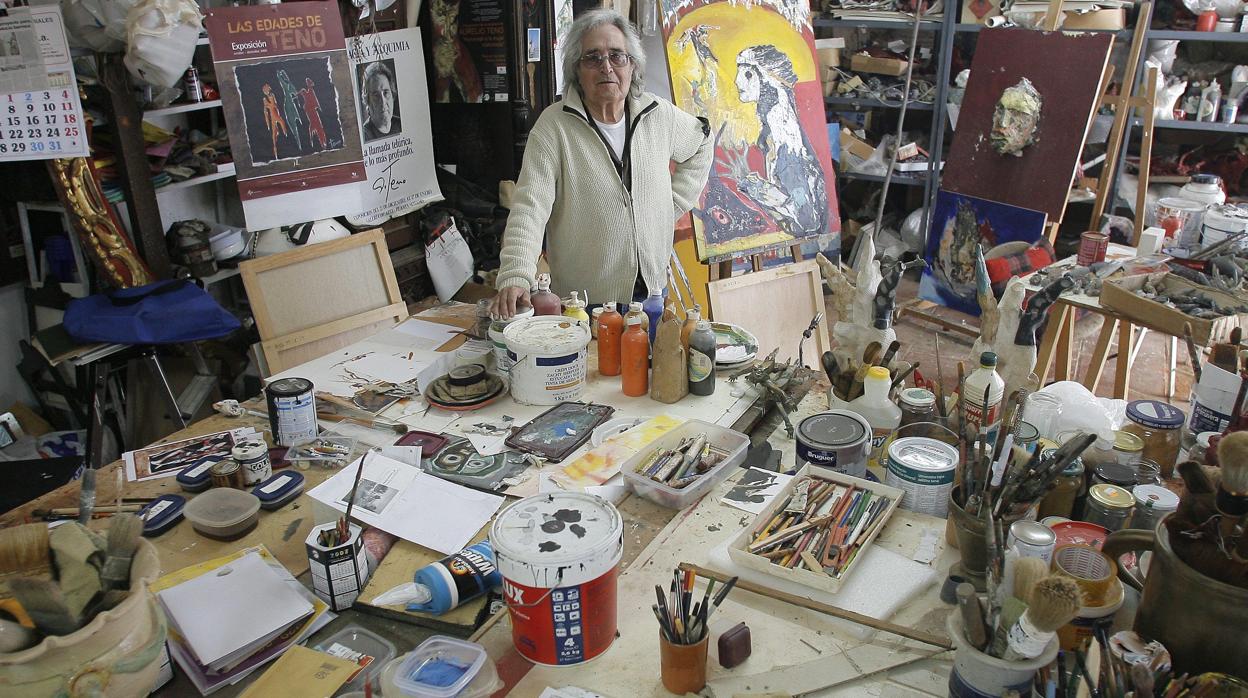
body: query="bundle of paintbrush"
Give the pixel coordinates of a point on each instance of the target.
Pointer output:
(848, 373)
(681, 466)
(1025, 624)
(1103, 671)
(1209, 531)
(822, 526)
(682, 621)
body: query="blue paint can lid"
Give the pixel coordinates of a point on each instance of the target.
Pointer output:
(197, 477)
(162, 514)
(1155, 414)
(278, 491)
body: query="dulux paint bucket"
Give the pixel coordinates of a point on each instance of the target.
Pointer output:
(559, 554)
(549, 359)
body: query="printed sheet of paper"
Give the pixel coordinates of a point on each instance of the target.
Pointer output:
(412, 505)
(449, 262)
(165, 460)
(755, 489)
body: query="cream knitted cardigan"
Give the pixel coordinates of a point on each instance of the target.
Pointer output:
(598, 233)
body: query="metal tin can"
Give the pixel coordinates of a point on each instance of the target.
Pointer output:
(292, 410)
(1092, 248)
(837, 439)
(227, 473)
(1152, 504)
(923, 469)
(1032, 539)
(1109, 506)
(252, 455)
(194, 88)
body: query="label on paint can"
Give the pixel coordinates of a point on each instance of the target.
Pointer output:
(923, 469)
(253, 457)
(292, 410)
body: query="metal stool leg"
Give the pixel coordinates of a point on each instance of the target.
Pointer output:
(154, 363)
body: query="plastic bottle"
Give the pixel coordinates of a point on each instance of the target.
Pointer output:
(691, 323)
(543, 301)
(653, 308)
(702, 359)
(610, 330)
(634, 310)
(456, 579)
(576, 308)
(634, 358)
(1210, 102)
(977, 413)
(875, 407)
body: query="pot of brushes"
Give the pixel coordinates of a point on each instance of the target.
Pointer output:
(1194, 599)
(76, 616)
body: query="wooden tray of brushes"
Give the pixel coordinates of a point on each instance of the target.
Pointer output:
(851, 529)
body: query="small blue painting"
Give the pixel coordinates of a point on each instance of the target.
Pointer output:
(959, 223)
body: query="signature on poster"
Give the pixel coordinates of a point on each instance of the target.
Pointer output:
(388, 183)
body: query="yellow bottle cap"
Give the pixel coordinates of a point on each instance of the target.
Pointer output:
(878, 373)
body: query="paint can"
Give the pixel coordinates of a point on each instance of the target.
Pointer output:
(549, 358)
(501, 360)
(292, 410)
(1092, 248)
(839, 440)
(1032, 539)
(559, 554)
(923, 469)
(227, 473)
(252, 455)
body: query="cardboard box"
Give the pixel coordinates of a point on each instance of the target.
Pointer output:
(863, 63)
(1122, 295)
(1112, 20)
(855, 145)
(737, 549)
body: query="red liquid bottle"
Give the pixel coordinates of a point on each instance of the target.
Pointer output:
(610, 332)
(543, 301)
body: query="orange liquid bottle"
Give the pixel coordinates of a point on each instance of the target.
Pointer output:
(610, 331)
(635, 359)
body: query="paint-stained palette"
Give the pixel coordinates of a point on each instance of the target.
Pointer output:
(734, 345)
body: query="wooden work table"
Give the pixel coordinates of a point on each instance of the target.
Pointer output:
(655, 539)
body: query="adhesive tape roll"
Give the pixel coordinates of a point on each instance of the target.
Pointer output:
(994, 22)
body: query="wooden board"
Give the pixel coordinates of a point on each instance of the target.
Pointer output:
(1068, 79)
(775, 305)
(398, 567)
(310, 301)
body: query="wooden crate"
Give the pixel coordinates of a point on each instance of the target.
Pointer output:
(1122, 296)
(738, 552)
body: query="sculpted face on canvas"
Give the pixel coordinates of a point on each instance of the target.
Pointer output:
(1016, 118)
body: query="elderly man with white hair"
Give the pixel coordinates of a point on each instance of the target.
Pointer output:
(606, 173)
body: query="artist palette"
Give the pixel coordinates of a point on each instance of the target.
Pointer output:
(735, 346)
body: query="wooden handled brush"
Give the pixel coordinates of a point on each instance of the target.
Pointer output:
(1054, 602)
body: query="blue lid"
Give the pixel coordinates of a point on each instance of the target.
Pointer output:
(1155, 413)
(161, 514)
(197, 476)
(279, 489)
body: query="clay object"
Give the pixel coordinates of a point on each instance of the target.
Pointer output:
(1036, 309)
(669, 381)
(1016, 118)
(734, 646)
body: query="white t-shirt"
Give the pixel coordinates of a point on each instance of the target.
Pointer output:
(615, 135)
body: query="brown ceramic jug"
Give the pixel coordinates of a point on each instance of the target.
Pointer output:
(1200, 620)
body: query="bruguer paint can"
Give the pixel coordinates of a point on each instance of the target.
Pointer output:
(559, 554)
(923, 469)
(252, 456)
(839, 440)
(292, 410)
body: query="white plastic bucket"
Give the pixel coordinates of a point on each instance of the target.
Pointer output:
(549, 359)
(1222, 221)
(559, 554)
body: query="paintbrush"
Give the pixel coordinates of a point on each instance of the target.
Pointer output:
(123, 540)
(972, 616)
(1055, 601)
(45, 604)
(1193, 354)
(902, 376)
(940, 371)
(86, 496)
(887, 360)
(345, 521)
(1027, 572)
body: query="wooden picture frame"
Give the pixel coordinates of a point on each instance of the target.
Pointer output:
(316, 299)
(775, 305)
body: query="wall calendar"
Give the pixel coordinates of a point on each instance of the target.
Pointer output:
(40, 113)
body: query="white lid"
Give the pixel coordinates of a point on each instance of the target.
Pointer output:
(1203, 437)
(553, 531)
(1155, 497)
(608, 306)
(632, 320)
(635, 305)
(703, 325)
(553, 334)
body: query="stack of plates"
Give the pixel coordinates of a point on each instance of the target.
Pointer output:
(735, 346)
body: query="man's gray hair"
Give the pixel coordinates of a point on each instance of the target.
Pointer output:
(573, 49)
(373, 70)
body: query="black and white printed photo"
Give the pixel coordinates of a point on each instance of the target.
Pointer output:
(372, 496)
(379, 100)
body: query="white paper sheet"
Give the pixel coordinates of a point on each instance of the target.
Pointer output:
(449, 262)
(412, 505)
(426, 335)
(386, 366)
(488, 445)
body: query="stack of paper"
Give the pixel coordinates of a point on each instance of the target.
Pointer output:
(230, 615)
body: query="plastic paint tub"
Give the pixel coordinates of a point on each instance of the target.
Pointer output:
(252, 455)
(923, 469)
(1222, 221)
(839, 440)
(549, 359)
(559, 554)
(223, 513)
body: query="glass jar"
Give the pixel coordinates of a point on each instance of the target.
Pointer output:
(1114, 474)
(1159, 424)
(1200, 452)
(482, 327)
(1109, 506)
(1026, 440)
(917, 405)
(1067, 487)
(1152, 504)
(1147, 472)
(1128, 448)
(1041, 410)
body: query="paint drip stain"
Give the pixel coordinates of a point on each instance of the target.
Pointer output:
(568, 515)
(552, 526)
(292, 529)
(548, 547)
(577, 530)
(714, 527)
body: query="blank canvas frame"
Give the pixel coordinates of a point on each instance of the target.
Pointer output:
(316, 299)
(775, 305)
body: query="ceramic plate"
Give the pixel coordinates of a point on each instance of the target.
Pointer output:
(612, 427)
(735, 346)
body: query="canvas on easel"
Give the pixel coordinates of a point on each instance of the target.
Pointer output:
(750, 70)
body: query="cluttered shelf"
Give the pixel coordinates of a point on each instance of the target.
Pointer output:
(933, 24)
(971, 28)
(1210, 126)
(183, 108)
(874, 103)
(1228, 37)
(224, 172)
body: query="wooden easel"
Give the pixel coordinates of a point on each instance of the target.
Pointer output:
(723, 269)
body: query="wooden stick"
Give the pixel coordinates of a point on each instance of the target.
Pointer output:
(827, 609)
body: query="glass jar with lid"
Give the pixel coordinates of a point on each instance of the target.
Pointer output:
(917, 405)
(1200, 451)
(1116, 474)
(1067, 487)
(1159, 424)
(1147, 473)
(1109, 506)
(1152, 504)
(1128, 448)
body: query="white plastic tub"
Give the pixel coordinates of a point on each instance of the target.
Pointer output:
(722, 439)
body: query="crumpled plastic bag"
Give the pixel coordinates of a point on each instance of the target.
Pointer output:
(161, 37)
(1084, 411)
(99, 25)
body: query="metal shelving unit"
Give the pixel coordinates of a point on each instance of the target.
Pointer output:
(873, 103)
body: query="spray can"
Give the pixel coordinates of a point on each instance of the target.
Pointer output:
(456, 579)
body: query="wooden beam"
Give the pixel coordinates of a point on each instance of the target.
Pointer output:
(1122, 373)
(1100, 355)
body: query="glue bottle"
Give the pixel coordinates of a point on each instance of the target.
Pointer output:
(610, 330)
(457, 579)
(543, 301)
(634, 310)
(576, 308)
(978, 414)
(875, 407)
(635, 358)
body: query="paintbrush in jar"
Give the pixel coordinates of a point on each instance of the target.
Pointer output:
(344, 524)
(1055, 601)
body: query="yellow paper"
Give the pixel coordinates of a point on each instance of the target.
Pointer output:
(602, 463)
(302, 673)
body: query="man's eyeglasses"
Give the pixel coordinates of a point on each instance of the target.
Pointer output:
(618, 59)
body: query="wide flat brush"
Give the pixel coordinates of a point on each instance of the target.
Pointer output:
(1055, 601)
